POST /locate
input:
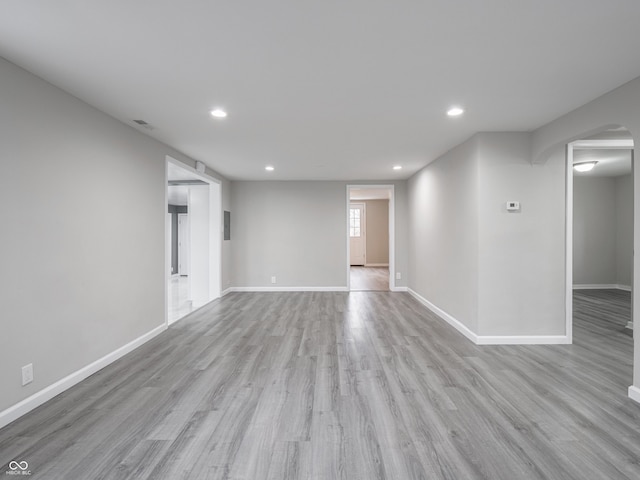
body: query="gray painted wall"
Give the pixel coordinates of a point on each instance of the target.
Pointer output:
(498, 273)
(520, 255)
(594, 230)
(296, 231)
(443, 233)
(624, 230)
(602, 230)
(69, 173)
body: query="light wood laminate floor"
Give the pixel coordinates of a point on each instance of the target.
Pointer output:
(365, 385)
(372, 279)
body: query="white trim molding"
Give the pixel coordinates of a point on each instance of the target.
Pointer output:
(462, 328)
(523, 340)
(19, 409)
(634, 393)
(226, 291)
(491, 339)
(287, 289)
(399, 289)
(376, 264)
(602, 286)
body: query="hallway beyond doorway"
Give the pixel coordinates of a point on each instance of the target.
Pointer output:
(179, 303)
(372, 279)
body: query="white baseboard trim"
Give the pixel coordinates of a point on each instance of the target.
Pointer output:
(225, 292)
(491, 339)
(523, 340)
(634, 393)
(445, 316)
(289, 289)
(629, 325)
(19, 409)
(399, 289)
(602, 286)
(376, 264)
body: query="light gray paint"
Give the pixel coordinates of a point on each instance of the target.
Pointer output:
(624, 230)
(79, 279)
(296, 231)
(520, 254)
(594, 230)
(496, 272)
(618, 107)
(443, 234)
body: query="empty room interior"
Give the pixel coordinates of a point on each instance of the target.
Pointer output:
(269, 240)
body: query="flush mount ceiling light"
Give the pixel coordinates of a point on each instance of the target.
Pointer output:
(218, 113)
(269, 168)
(455, 111)
(584, 166)
(397, 167)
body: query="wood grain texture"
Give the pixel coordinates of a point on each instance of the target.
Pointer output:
(360, 385)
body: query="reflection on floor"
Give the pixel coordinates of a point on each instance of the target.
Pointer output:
(370, 279)
(179, 303)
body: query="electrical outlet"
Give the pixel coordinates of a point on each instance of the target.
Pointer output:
(27, 374)
(273, 279)
(398, 276)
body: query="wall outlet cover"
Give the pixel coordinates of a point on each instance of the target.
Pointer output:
(27, 374)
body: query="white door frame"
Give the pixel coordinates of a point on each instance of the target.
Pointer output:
(363, 229)
(392, 231)
(183, 269)
(215, 225)
(621, 144)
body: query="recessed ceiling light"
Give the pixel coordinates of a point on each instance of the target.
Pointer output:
(269, 168)
(218, 113)
(584, 166)
(397, 167)
(455, 111)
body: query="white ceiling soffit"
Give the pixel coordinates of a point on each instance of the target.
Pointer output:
(325, 90)
(611, 163)
(369, 193)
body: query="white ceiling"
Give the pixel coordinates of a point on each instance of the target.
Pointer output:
(611, 163)
(369, 193)
(328, 89)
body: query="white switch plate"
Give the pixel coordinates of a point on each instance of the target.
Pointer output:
(273, 279)
(27, 374)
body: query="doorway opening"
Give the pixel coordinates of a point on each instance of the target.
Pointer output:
(193, 241)
(600, 237)
(370, 234)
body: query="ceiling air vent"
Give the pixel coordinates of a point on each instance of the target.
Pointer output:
(143, 124)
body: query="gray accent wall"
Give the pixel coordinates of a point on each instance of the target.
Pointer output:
(602, 230)
(296, 231)
(80, 279)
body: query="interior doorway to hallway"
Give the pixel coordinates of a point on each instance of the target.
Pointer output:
(193, 242)
(600, 239)
(370, 227)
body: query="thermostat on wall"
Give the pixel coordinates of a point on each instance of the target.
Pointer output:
(513, 206)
